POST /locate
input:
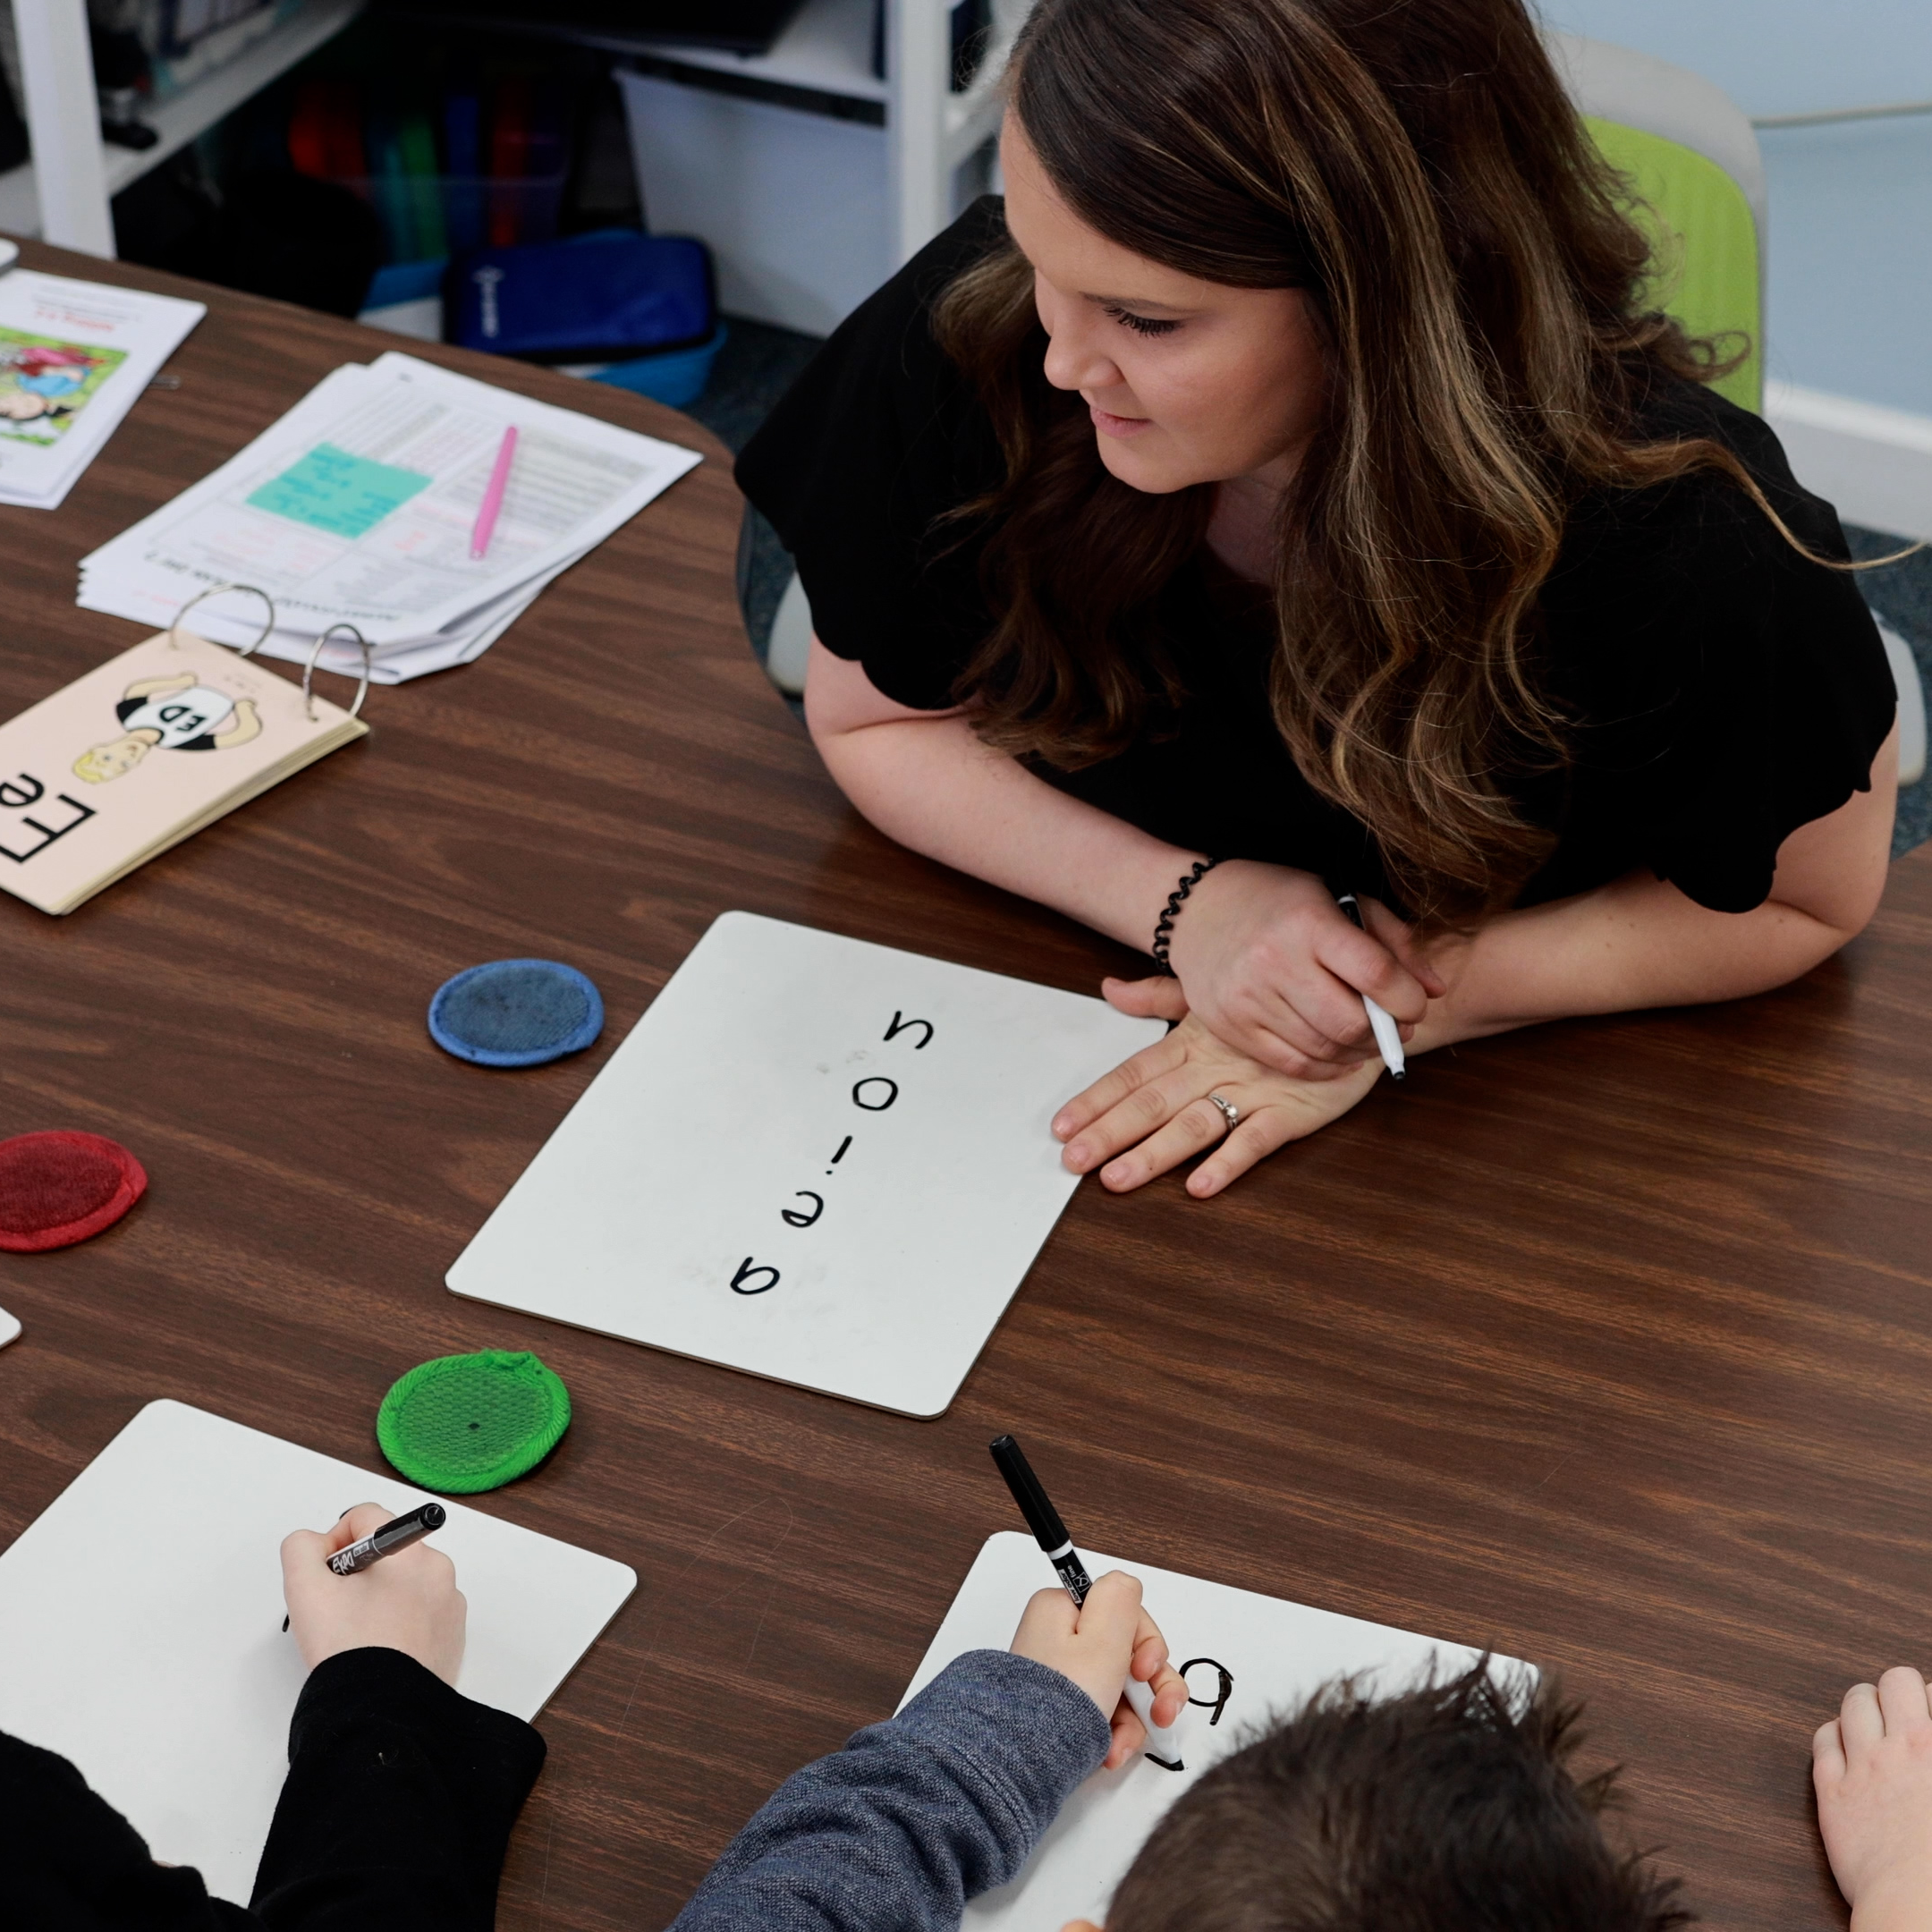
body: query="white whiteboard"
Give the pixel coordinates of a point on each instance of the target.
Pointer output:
(814, 1159)
(140, 1623)
(1277, 1653)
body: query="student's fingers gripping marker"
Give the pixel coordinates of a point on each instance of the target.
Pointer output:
(58, 1188)
(396, 1534)
(463, 1423)
(516, 1012)
(1162, 1741)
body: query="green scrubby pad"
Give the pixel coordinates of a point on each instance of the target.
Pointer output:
(463, 1423)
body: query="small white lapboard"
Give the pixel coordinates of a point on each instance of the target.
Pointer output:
(140, 1623)
(814, 1159)
(1276, 1653)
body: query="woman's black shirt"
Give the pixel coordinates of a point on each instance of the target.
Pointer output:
(1725, 690)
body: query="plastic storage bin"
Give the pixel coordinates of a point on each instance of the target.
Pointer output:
(677, 377)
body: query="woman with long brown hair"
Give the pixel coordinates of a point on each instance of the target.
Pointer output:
(1289, 492)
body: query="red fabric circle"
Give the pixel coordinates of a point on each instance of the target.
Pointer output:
(58, 1188)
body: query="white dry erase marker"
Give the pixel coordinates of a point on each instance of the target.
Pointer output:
(1388, 1034)
(1162, 1742)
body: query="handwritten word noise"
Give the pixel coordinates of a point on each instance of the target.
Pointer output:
(875, 1094)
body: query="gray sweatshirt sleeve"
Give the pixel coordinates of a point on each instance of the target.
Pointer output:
(916, 1815)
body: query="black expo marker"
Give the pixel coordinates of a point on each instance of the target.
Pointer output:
(1043, 1521)
(1042, 1517)
(398, 1533)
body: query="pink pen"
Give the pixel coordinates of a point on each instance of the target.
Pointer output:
(486, 523)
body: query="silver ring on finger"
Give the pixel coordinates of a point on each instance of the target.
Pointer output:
(1230, 1113)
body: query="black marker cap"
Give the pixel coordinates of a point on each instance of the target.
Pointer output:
(1041, 1517)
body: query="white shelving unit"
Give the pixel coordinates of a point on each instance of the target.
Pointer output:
(82, 171)
(828, 49)
(807, 211)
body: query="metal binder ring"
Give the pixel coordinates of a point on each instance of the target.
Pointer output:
(308, 669)
(201, 596)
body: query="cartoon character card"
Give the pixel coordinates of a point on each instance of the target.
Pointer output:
(45, 383)
(138, 753)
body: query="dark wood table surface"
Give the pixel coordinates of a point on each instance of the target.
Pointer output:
(1607, 1346)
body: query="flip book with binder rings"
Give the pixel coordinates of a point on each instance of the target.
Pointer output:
(140, 753)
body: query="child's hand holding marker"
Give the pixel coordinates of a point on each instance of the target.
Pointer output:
(407, 1602)
(1099, 1644)
(1124, 1640)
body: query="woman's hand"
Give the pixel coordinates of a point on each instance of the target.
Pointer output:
(1872, 1768)
(407, 1602)
(1274, 967)
(1152, 1113)
(1099, 1645)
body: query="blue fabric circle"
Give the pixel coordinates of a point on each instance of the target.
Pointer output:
(515, 1012)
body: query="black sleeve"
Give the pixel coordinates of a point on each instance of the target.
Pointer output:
(877, 440)
(67, 1859)
(398, 1806)
(1731, 690)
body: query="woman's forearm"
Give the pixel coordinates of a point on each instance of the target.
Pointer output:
(1639, 942)
(1636, 943)
(930, 784)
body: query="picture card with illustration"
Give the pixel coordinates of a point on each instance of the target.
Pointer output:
(814, 1158)
(74, 358)
(141, 752)
(1246, 1658)
(45, 383)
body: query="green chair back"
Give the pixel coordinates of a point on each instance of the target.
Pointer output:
(1708, 272)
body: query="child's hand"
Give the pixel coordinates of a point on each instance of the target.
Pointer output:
(1872, 1767)
(1097, 1646)
(1152, 1112)
(407, 1602)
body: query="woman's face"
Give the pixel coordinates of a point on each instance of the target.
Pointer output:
(1188, 381)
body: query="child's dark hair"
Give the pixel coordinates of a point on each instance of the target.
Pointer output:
(1449, 1808)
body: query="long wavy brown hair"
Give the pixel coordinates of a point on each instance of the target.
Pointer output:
(1418, 167)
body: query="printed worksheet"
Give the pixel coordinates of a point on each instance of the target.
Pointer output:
(359, 507)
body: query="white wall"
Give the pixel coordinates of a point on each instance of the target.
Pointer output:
(1850, 254)
(1775, 56)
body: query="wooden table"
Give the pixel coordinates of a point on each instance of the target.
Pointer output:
(1607, 1346)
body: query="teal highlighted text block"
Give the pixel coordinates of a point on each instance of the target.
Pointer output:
(331, 490)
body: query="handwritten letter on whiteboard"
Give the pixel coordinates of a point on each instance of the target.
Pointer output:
(814, 1159)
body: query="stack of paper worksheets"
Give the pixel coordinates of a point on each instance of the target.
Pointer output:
(74, 359)
(359, 508)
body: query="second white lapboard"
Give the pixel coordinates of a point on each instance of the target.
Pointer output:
(1276, 1653)
(140, 1623)
(814, 1158)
